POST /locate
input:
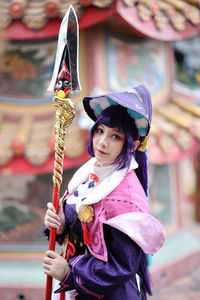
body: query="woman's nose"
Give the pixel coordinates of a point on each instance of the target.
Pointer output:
(103, 140)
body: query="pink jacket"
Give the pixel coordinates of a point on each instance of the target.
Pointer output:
(126, 209)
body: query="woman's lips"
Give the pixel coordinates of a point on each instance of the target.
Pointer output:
(100, 151)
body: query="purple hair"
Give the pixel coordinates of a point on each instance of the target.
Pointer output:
(116, 116)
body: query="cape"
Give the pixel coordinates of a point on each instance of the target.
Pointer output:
(126, 209)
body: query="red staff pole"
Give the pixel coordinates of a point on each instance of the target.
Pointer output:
(52, 241)
(64, 117)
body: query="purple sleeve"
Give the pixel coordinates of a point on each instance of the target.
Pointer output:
(89, 275)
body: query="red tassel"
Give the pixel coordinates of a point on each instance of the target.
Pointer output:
(86, 235)
(71, 250)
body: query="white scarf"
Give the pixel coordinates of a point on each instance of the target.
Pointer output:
(109, 178)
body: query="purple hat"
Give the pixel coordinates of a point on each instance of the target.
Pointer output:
(137, 101)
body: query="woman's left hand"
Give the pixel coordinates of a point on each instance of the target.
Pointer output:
(55, 265)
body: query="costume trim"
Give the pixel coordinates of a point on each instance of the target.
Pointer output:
(78, 280)
(103, 188)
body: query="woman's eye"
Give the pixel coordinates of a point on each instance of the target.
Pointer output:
(116, 137)
(99, 130)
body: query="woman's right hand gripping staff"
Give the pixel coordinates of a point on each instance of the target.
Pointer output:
(54, 264)
(53, 220)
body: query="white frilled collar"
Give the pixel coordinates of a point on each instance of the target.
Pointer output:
(79, 187)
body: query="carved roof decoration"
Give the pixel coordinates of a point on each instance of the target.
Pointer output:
(27, 142)
(35, 13)
(159, 19)
(176, 12)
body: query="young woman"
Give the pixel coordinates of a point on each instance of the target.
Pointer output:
(105, 213)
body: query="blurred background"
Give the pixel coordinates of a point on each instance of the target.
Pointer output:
(123, 43)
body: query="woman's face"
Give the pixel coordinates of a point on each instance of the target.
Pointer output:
(107, 144)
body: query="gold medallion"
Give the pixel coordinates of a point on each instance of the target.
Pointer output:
(86, 213)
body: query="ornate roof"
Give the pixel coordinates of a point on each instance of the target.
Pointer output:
(159, 19)
(35, 14)
(175, 131)
(27, 140)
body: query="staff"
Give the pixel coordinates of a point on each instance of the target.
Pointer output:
(65, 82)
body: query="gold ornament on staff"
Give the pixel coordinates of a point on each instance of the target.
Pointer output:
(64, 116)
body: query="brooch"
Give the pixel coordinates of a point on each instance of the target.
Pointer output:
(86, 213)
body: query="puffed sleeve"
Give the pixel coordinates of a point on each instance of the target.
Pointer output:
(91, 276)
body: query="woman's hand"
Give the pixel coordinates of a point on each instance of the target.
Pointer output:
(53, 220)
(55, 265)
(72, 294)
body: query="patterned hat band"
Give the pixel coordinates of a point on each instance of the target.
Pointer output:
(140, 121)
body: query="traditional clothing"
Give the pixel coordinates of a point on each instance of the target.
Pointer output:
(121, 232)
(106, 207)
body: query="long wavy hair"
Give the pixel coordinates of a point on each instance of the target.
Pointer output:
(116, 116)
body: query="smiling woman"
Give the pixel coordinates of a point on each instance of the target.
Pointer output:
(106, 203)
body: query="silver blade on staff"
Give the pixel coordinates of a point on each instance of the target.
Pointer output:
(68, 41)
